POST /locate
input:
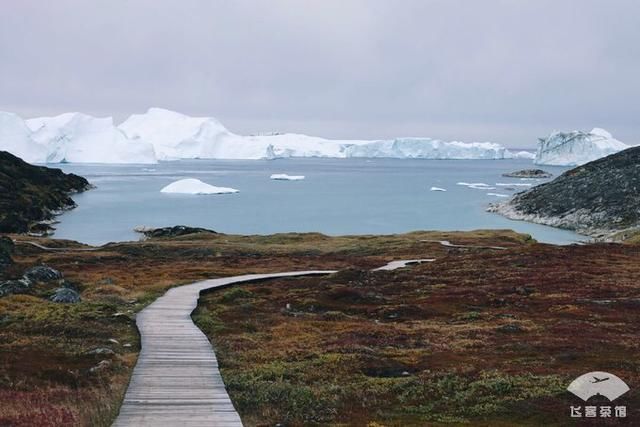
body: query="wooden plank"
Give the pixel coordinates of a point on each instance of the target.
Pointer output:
(176, 381)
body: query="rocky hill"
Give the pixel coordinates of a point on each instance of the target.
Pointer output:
(599, 199)
(31, 194)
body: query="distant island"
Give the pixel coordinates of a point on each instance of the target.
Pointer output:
(528, 173)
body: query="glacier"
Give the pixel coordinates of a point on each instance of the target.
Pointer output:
(576, 148)
(161, 134)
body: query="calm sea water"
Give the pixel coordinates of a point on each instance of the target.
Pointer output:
(338, 196)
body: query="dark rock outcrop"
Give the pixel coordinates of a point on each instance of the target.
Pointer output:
(65, 295)
(6, 249)
(31, 195)
(528, 173)
(175, 231)
(42, 273)
(599, 199)
(14, 286)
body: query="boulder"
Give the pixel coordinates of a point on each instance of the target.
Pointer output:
(42, 273)
(104, 364)
(103, 351)
(16, 286)
(65, 296)
(511, 328)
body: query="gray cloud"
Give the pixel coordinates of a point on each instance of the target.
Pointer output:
(506, 71)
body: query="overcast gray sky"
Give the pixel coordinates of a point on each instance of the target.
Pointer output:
(505, 71)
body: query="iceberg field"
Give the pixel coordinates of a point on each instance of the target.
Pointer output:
(195, 186)
(576, 148)
(161, 134)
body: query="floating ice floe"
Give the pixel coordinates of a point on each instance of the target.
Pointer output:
(195, 186)
(476, 185)
(468, 184)
(285, 177)
(518, 184)
(437, 189)
(497, 195)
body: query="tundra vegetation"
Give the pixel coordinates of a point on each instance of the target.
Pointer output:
(480, 335)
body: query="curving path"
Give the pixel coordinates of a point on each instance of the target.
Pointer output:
(394, 265)
(453, 245)
(47, 248)
(176, 381)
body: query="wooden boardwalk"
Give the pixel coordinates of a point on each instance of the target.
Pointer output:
(176, 381)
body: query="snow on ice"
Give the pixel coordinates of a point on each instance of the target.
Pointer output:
(195, 186)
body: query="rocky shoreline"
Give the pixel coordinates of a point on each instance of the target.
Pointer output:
(168, 232)
(31, 196)
(599, 199)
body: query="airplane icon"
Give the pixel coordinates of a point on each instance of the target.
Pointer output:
(598, 383)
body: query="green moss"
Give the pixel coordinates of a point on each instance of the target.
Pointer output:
(234, 294)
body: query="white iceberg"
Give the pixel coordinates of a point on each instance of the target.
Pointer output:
(285, 177)
(161, 134)
(77, 137)
(524, 155)
(15, 137)
(195, 186)
(427, 148)
(437, 189)
(177, 136)
(576, 148)
(517, 184)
